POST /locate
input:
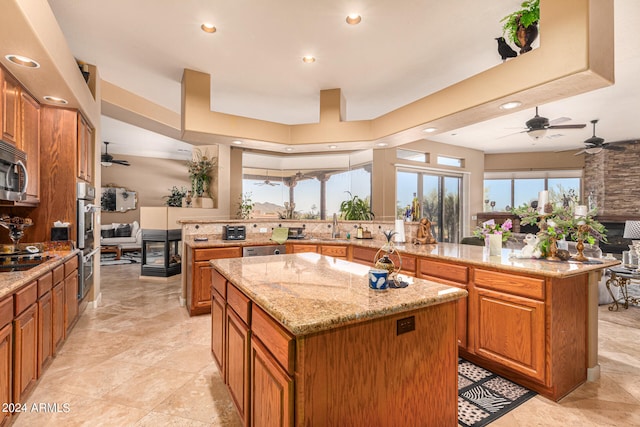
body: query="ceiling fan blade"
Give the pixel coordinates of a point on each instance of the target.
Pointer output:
(559, 120)
(584, 150)
(121, 162)
(608, 146)
(578, 126)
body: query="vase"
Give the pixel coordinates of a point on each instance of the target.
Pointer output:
(526, 36)
(495, 244)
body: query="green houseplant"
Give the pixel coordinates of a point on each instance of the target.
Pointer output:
(356, 209)
(245, 206)
(521, 26)
(175, 198)
(199, 173)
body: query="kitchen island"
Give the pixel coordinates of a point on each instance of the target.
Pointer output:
(301, 339)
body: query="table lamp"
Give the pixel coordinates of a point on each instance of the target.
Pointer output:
(632, 231)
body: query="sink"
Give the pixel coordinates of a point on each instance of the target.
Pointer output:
(21, 263)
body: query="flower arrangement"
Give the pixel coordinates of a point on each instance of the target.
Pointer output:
(490, 227)
(199, 173)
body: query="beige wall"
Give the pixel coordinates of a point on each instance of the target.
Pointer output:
(151, 178)
(532, 161)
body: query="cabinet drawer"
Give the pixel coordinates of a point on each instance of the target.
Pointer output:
(517, 285)
(70, 266)
(239, 302)
(297, 249)
(277, 340)
(337, 251)
(443, 270)
(45, 283)
(219, 283)
(58, 274)
(213, 253)
(25, 297)
(363, 255)
(6, 311)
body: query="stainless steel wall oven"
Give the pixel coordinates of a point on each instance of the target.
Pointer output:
(86, 209)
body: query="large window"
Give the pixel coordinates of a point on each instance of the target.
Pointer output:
(502, 191)
(439, 198)
(312, 187)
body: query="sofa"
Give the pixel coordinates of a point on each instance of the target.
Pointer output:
(126, 236)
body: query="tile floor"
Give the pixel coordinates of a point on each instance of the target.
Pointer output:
(140, 360)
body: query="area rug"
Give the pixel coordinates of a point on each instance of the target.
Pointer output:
(126, 258)
(484, 396)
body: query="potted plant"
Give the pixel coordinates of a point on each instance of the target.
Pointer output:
(199, 174)
(355, 209)
(521, 26)
(175, 198)
(245, 206)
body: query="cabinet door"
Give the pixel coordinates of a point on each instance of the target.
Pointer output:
(334, 251)
(510, 330)
(10, 108)
(237, 363)
(57, 300)
(70, 301)
(6, 367)
(30, 144)
(81, 147)
(218, 316)
(25, 352)
(200, 300)
(45, 331)
(271, 389)
(296, 249)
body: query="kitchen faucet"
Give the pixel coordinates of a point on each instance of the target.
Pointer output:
(334, 229)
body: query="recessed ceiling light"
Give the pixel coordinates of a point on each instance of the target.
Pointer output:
(237, 142)
(381, 144)
(23, 61)
(308, 59)
(55, 99)
(353, 19)
(208, 28)
(510, 105)
(429, 130)
(288, 149)
(333, 147)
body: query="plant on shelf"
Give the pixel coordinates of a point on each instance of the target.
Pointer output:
(356, 209)
(521, 26)
(245, 206)
(175, 198)
(199, 173)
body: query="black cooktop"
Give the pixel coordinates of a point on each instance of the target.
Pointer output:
(21, 261)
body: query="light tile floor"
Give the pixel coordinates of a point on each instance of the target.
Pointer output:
(140, 360)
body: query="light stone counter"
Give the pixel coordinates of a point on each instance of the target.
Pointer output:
(14, 280)
(309, 292)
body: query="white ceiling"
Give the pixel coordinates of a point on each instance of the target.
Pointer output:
(400, 52)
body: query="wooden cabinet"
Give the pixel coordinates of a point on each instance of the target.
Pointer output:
(301, 248)
(218, 319)
(452, 275)
(237, 363)
(334, 251)
(84, 150)
(198, 277)
(6, 354)
(271, 389)
(10, 91)
(70, 294)
(25, 352)
(45, 322)
(57, 302)
(30, 144)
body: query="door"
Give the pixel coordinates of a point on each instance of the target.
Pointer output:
(31, 144)
(6, 367)
(25, 361)
(70, 301)
(45, 331)
(57, 300)
(237, 363)
(218, 318)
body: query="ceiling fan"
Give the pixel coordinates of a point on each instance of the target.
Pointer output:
(267, 182)
(537, 125)
(595, 144)
(107, 159)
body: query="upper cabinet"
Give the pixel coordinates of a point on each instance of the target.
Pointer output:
(30, 144)
(10, 107)
(85, 149)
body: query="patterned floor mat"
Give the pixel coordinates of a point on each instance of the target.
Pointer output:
(484, 396)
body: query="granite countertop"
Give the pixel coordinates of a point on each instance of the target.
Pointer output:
(454, 252)
(11, 281)
(309, 292)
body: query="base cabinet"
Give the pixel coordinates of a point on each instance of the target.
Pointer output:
(57, 317)
(237, 363)
(45, 331)
(6, 369)
(25, 362)
(271, 389)
(70, 299)
(218, 316)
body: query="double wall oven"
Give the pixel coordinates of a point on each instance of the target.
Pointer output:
(86, 208)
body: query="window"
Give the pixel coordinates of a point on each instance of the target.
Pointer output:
(414, 156)
(439, 197)
(502, 191)
(449, 161)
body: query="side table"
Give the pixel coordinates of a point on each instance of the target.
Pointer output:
(621, 278)
(112, 249)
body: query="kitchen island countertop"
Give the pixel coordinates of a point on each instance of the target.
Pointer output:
(308, 292)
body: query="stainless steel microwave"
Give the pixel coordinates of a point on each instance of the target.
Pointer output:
(13, 173)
